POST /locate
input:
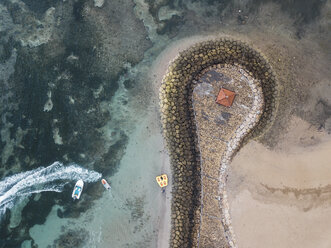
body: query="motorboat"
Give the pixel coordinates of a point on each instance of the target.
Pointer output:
(77, 190)
(105, 184)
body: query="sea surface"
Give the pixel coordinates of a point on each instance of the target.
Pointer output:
(78, 101)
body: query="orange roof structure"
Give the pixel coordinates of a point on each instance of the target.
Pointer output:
(225, 97)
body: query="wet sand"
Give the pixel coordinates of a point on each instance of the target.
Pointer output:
(165, 209)
(281, 197)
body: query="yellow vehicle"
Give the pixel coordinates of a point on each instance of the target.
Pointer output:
(162, 180)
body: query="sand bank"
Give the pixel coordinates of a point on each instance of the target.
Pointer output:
(281, 197)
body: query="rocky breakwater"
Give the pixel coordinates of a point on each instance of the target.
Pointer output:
(202, 137)
(220, 130)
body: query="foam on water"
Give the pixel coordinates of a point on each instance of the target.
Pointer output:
(51, 178)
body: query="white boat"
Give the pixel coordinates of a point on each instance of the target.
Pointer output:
(77, 190)
(105, 184)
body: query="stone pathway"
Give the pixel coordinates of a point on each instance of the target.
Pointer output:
(220, 130)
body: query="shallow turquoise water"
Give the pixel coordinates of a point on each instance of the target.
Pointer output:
(126, 216)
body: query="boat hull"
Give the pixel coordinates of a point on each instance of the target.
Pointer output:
(105, 184)
(78, 189)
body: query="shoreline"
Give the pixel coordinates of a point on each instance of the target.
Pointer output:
(157, 72)
(165, 211)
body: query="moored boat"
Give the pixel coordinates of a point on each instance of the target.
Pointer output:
(105, 184)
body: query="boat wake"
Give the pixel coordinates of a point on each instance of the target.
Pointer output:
(52, 178)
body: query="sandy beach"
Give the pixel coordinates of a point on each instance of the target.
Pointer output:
(280, 197)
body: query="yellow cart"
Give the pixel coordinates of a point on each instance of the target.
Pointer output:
(162, 180)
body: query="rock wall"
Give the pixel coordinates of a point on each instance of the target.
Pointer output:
(180, 128)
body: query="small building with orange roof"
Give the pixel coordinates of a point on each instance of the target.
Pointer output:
(225, 97)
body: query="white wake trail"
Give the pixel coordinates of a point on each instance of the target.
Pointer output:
(51, 178)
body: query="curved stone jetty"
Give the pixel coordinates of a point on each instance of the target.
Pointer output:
(202, 136)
